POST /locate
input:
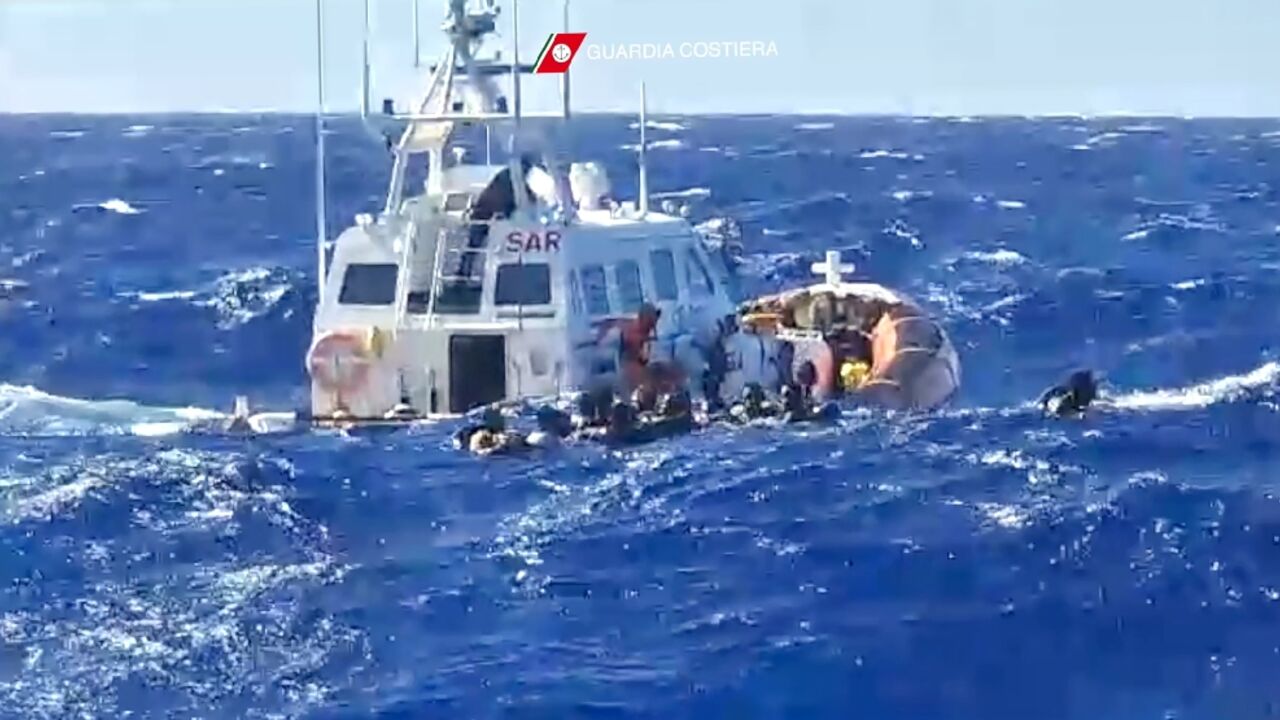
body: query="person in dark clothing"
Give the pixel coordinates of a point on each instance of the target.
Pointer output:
(495, 202)
(1071, 397)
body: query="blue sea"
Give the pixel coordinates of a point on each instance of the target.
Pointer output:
(978, 561)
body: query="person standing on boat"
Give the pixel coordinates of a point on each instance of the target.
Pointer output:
(636, 336)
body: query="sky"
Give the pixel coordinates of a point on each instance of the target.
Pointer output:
(923, 57)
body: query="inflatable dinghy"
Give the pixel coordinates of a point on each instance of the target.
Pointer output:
(862, 341)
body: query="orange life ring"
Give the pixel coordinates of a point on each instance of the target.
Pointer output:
(339, 361)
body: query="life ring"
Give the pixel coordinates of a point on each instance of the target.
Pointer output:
(339, 361)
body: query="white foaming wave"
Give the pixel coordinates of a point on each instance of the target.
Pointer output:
(1203, 221)
(1003, 256)
(138, 130)
(669, 144)
(1201, 395)
(65, 134)
(903, 231)
(815, 126)
(891, 154)
(686, 193)
(1189, 284)
(1011, 204)
(25, 410)
(1142, 129)
(242, 295)
(660, 125)
(116, 205)
(566, 510)
(201, 630)
(163, 296)
(909, 195)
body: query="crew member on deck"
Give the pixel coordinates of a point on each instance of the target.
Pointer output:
(636, 336)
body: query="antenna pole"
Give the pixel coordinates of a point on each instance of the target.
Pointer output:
(364, 67)
(644, 165)
(517, 169)
(417, 54)
(564, 78)
(321, 231)
(515, 58)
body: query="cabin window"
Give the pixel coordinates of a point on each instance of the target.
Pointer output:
(630, 292)
(523, 284)
(575, 294)
(664, 274)
(696, 275)
(369, 284)
(595, 291)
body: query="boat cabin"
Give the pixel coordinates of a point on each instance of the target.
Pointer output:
(478, 300)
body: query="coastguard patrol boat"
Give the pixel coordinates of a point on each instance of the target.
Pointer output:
(489, 281)
(482, 282)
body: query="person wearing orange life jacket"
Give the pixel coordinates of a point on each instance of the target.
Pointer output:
(636, 337)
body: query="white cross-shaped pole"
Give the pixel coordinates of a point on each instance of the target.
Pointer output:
(832, 268)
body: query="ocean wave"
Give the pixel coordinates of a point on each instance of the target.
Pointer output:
(669, 144)
(1202, 222)
(906, 196)
(814, 126)
(28, 411)
(116, 205)
(659, 125)
(686, 193)
(1002, 256)
(1229, 388)
(891, 154)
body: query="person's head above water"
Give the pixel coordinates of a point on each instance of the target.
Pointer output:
(1083, 385)
(790, 398)
(552, 421)
(807, 374)
(491, 419)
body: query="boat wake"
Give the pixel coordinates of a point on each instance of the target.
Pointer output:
(26, 411)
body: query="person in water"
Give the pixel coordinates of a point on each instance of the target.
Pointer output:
(753, 405)
(1071, 397)
(491, 422)
(553, 427)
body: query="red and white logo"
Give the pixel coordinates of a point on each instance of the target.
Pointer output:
(558, 52)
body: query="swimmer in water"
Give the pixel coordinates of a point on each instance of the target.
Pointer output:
(1072, 397)
(491, 422)
(752, 406)
(553, 427)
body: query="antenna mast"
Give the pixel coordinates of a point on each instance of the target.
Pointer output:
(644, 165)
(417, 43)
(564, 78)
(321, 231)
(364, 67)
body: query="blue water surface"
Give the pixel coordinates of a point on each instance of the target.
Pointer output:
(975, 562)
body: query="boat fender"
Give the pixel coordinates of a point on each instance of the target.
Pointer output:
(339, 361)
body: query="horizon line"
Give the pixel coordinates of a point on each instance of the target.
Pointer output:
(353, 114)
